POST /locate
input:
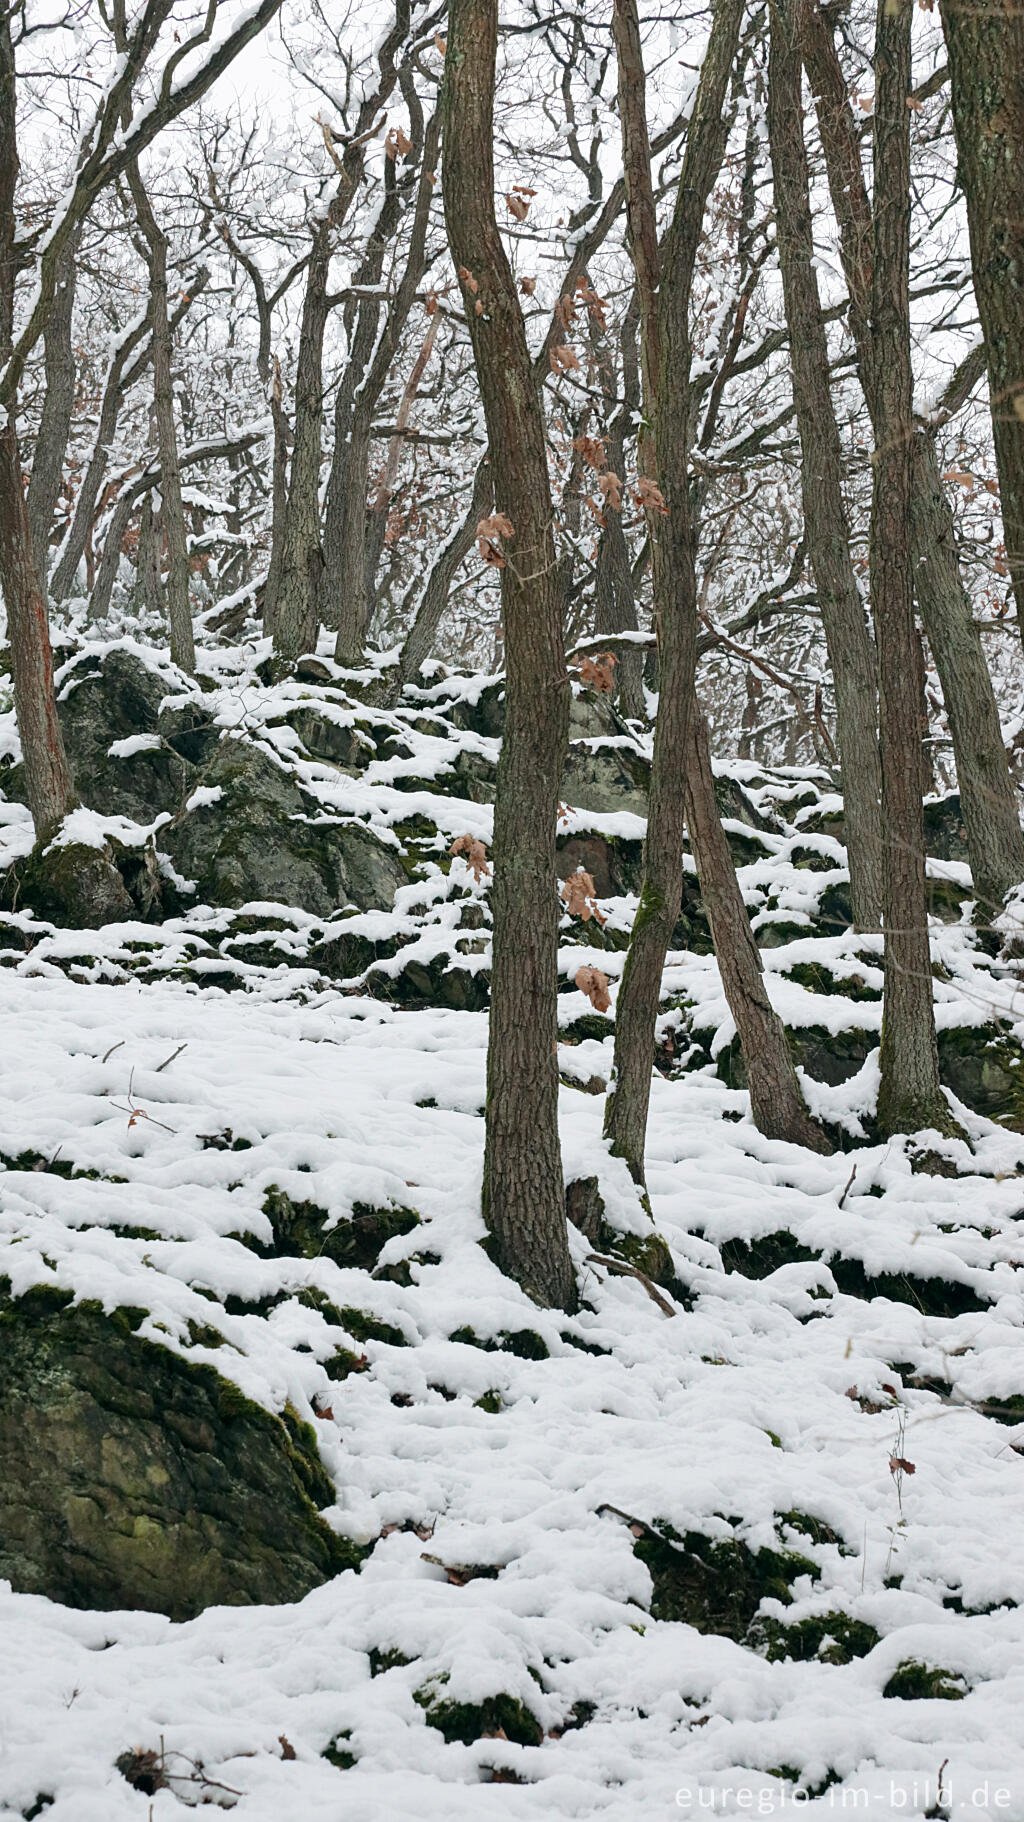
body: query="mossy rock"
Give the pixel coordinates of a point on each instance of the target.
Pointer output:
(301, 1230)
(715, 1585)
(526, 1344)
(985, 1069)
(265, 839)
(932, 1296)
(827, 1638)
(439, 982)
(131, 1478)
(75, 886)
(913, 1681)
(469, 1721)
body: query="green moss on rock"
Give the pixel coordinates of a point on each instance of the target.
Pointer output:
(715, 1585)
(913, 1681)
(469, 1721)
(132, 1478)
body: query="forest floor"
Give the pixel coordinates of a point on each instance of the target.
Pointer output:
(752, 1547)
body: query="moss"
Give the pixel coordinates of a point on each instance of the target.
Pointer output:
(156, 1483)
(300, 1229)
(382, 1661)
(932, 1296)
(830, 1638)
(715, 1585)
(338, 1753)
(491, 1402)
(819, 979)
(913, 1681)
(647, 1253)
(526, 1344)
(590, 1025)
(364, 1327)
(469, 1721)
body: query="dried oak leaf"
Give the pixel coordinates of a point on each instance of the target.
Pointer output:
(489, 533)
(594, 984)
(468, 280)
(475, 853)
(397, 144)
(592, 450)
(596, 672)
(611, 488)
(649, 495)
(898, 1464)
(564, 359)
(527, 286)
(580, 897)
(287, 1749)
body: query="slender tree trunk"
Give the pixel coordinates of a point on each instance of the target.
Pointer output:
(850, 650)
(524, 1202)
(776, 1099)
(279, 500)
(985, 42)
(419, 640)
(179, 608)
(55, 417)
(295, 605)
(664, 279)
(910, 1096)
(48, 782)
(987, 796)
(988, 801)
(614, 593)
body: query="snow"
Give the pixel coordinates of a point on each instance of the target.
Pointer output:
(757, 1399)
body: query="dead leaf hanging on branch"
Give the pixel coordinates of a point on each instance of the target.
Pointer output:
(489, 533)
(649, 495)
(594, 984)
(580, 897)
(476, 856)
(596, 672)
(564, 360)
(611, 489)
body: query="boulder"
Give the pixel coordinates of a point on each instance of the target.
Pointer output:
(262, 838)
(130, 1478)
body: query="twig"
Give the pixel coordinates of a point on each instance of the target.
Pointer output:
(849, 1186)
(621, 1270)
(112, 1049)
(170, 1059)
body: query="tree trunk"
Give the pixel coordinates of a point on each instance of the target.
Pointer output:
(986, 789)
(48, 783)
(776, 1099)
(664, 298)
(419, 640)
(850, 651)
(279, 500)
(909, 1096)
(179, 608)
(524, 1202)
(295, 607)
(55, 417)
(985, 42)
(988, 801)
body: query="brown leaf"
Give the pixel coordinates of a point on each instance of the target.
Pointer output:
(580, 897)
(592, 450)
(565, 312)
(441, 43)
(564, 360)
(397, 144)
(489, 533)
(475, 853)
(287, 1749)
(594, 984)
(649, 495)
(519, 206)
(611, 488)
(596, 672)
(898, 1464)
(468, 280)
(527, 286)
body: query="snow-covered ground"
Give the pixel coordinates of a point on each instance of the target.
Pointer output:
(507, 1503)
(718, 1419)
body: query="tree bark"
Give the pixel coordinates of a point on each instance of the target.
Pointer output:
(776, 1100)
(48, 782)
(419, 640)
(987, 796)
(298, 582)
(55, 417)
(664, 279)
(523, 1196)
(909, 1096)
(179, 608)
(985, 43)
(850, 650)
